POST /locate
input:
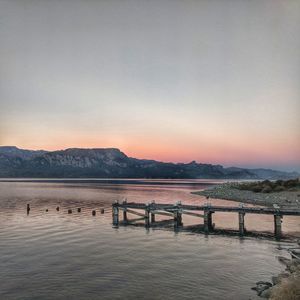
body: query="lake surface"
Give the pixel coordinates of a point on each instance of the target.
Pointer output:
(56, 255)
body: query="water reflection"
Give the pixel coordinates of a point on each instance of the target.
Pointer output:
(55, 255)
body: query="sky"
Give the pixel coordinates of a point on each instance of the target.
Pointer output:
(211, 81)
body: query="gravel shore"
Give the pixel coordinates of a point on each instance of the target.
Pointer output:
(229, 191)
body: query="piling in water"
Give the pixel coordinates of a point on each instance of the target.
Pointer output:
(69, 211)
(78, 209)
(57, 208)
(94, 213)
(102, 210)
(241, 223)
(277, 226)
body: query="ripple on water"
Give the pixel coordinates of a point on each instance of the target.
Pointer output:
(55, 255)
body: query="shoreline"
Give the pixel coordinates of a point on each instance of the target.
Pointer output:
(286, 285)
(229, 191)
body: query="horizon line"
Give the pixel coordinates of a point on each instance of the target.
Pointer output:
(163, 161)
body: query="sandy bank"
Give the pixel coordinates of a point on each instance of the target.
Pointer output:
(229, 191)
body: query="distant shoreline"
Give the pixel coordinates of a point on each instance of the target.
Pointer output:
(228, 191)
(191, 182)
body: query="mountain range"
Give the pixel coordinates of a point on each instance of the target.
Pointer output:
(112, 163)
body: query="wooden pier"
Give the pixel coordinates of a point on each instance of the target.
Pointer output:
(175, 211)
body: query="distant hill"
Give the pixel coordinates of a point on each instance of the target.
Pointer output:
(112, 163)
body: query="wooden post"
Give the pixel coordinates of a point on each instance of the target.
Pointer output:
(178, 214)
(125, 211)
(177, 218)
(115, 213)
(241, 223)
(147, 215)
(206, 221)
(277, 226)
(69, 211)
(152, 218)
(79, 209)
(57, 208)
(209, 220)
(152, 214)
(28, 208)
(125, 214)
(102, 211)
(93, 212)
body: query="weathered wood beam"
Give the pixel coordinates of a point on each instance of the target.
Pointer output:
(192, 214)
(277, 226)
(134, 212)
(164, 213)
(241, 223)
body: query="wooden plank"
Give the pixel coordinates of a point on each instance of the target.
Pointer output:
(134, 220)
(135, 212)
(164, 213)
(251, 210)
(192, 214)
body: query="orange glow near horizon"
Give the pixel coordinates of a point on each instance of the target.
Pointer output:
(101, 74)
(233, 152)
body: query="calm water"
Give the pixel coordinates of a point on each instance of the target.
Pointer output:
(54, 255)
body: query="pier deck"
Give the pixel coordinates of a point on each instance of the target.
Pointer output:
(203, 211)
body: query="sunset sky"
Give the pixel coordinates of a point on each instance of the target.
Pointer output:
(212, 81)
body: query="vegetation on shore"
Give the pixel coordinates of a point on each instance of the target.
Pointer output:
(268, 186)
(286, 285)
(288, 289)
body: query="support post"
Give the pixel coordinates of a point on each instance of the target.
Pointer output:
(210, 224)
(147, 215)
(125, 211)
(152, 218)
(179, 218)
(125, 214)
(28, 209)
(178, 215)
(115, 213)
(241, 223)
(277, 226)
(206, 221)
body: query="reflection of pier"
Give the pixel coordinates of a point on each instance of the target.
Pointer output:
(175, 211)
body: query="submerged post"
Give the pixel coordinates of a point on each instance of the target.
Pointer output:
(277, 226)
(241, 223)
(115, 213)
(28, 208)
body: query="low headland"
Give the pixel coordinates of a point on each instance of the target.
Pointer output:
(285, 194)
